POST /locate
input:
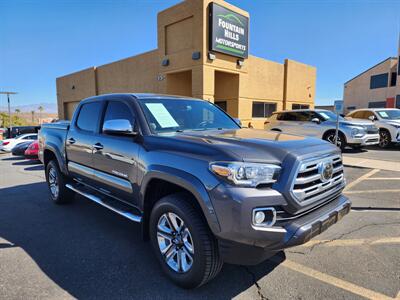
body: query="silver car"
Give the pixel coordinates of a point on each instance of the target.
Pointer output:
(322, 124)
(386, 119)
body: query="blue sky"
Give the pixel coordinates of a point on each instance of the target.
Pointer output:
(41, 40)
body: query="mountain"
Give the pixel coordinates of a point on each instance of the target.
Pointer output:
(50, 108)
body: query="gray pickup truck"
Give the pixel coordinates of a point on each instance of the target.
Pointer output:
(204, 190)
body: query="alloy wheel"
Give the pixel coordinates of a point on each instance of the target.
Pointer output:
(331, 139)
(53, 183)
(175, 242)
(384, 139)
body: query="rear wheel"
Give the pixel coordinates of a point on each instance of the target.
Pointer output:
(183, 243)
(384, 138)
(341, 141)
(56, 182)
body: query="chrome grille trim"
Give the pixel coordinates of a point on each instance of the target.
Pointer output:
(308, 186)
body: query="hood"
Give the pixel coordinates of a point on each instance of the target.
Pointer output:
(359, 122)
(392, 122)
(241, 145)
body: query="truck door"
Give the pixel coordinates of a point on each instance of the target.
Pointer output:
(115, 156)
(80, 140)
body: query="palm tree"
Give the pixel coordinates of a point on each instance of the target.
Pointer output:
(17, 111)
(41, 109)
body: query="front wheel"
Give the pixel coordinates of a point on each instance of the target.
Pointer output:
(384, 138)
(56, 181)
(183, 243)
(341, 140)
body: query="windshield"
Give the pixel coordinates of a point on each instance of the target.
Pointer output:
(329, 116)
(389, 114)
(177, 115)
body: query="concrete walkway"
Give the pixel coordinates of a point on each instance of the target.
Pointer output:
(371, 163)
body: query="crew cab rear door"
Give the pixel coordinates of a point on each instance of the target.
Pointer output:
(115, 156)
(80, 140)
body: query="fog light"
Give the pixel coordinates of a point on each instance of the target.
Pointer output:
(264, 216)
(259, 217)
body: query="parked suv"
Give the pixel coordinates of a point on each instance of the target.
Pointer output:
(322, 124)
(386, 119)
(204, 190)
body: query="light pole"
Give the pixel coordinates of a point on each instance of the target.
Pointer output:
(9, 107)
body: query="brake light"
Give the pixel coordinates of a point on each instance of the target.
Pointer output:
(266, 122)
(34, 146)
(5, 143)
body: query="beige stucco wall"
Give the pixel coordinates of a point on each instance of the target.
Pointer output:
(183, 30)
(357, 91)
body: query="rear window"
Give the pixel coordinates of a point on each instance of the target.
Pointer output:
(89, 116)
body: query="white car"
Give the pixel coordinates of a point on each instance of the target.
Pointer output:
(386, 119)
(7, 144)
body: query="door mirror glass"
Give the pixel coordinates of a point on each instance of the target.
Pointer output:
(316, 120)
(118, 127)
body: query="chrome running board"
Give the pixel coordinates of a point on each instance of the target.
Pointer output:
(128, 215)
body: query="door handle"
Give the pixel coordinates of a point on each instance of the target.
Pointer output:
(98, 146)
(71, 141)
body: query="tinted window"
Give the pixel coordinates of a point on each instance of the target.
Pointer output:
(118, 110)
(89, 116)
(300, 106)
(263, 109)
(398, 100)
(289, 116)
(393, 79)
(221, 104)
(377, 104)
(379, 81)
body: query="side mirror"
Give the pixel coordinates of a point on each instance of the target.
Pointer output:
(118, 127)
(237, 120)
(316, 120)
(372, 118)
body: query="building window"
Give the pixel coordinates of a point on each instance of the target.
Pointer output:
(398, 101)
(222, 105)
(393, 79)
(379, 81)
(351, 107)
(300, 106)
(377, 104)
(263, 109)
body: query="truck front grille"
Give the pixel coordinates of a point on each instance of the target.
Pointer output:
(312, 184)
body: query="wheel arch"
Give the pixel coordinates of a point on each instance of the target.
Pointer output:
(49, 153)
(162, 181)
(334, 131)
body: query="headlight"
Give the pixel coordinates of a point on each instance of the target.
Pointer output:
(357, 132)
(246, 174)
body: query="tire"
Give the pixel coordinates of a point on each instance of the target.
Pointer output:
(56, 181)
(330, 137)
(199, 243)
(384, 138)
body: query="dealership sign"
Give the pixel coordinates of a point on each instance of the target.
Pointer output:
(229, 31)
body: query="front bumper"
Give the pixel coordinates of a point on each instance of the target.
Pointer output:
(366, 140)
(243, 243)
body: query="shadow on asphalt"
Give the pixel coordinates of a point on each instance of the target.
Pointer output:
(91, 252)
(27, 162)
(12, 158)
(35, 168)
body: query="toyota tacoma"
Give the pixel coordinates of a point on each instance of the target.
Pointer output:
(204, 190)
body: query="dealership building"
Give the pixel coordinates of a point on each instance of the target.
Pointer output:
(203, 52)
(377, 87)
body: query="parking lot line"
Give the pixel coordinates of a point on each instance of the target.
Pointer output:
(372, 191)
(382, 178)
(337, 282)
(358, 180)
(353, 242)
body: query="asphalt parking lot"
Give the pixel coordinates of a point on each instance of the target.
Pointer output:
(85, 251)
